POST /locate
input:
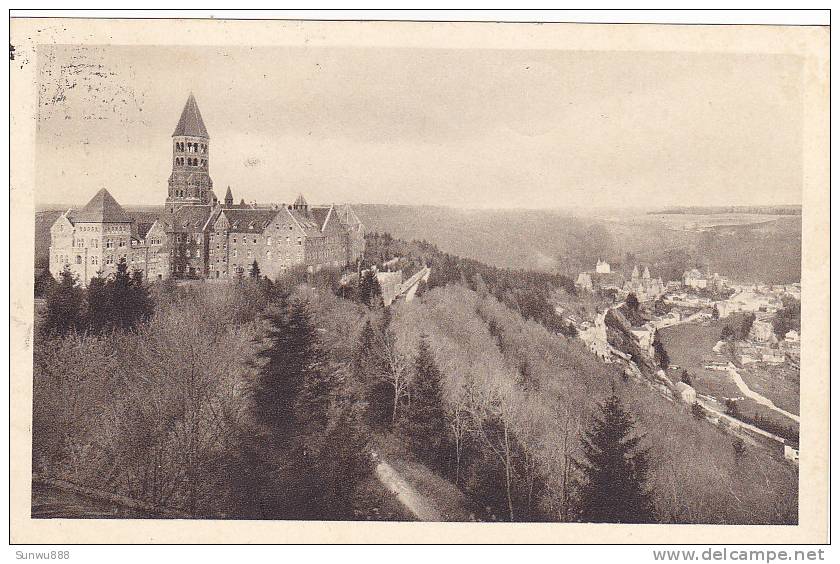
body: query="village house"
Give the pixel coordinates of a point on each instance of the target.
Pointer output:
(685, 392)
(762, 332)
(694, 279)
(198, 236)
(602, 278)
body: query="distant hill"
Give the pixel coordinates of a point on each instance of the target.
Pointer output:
(559, 241)
(708, 210)
(768, 251)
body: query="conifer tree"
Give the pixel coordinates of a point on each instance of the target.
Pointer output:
(255, 270)
(121, 302)
(292, 403)
(370, 291)
(98, 305)
(64, 305)
(368, 368)
(424, 421)
(659, 352)
(615, 470)
(292, 358)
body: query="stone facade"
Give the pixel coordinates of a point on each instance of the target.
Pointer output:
(198, 236)
(92, 241)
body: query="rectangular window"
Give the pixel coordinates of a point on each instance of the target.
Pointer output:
(109, 244)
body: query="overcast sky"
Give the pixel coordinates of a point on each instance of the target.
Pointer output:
(467, 128)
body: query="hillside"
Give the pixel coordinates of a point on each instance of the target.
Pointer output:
(481, 408)
(545, 388)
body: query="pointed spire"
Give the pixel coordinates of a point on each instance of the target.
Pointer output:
(229, 197)
(191, 123)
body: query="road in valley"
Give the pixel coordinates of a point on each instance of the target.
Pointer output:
(733, 372)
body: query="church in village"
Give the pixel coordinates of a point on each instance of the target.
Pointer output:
(198, 235)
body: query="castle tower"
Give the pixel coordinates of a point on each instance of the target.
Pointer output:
(229, 198)
(190, 181)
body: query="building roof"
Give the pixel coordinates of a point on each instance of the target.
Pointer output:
(229, 195)
(607, 279)
(308, 224)
(347, 215)
(142, 229)
(191, 123)
(320, 215)
(682, 386)
(249, 220)
(102, 208)
(300, 201)
(191, 217)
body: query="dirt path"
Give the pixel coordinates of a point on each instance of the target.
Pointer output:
(413, 500)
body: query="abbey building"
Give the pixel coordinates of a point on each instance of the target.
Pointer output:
(198, 235)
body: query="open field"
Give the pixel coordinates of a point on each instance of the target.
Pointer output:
(780, 384)
(689, 347)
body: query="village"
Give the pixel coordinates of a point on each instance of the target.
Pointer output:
(702, 340)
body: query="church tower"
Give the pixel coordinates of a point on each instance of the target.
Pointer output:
(190, 181)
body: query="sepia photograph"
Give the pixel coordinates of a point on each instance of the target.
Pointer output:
(405, 272)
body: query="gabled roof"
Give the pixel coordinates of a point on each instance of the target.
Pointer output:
(191, 217)
(249, 220)
(347, 215)
(142, 229)
(307, 224)
(320, 215)
(102, 208)
(191, 123)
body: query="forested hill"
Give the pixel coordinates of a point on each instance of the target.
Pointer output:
(528, 292)
(286, 390)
